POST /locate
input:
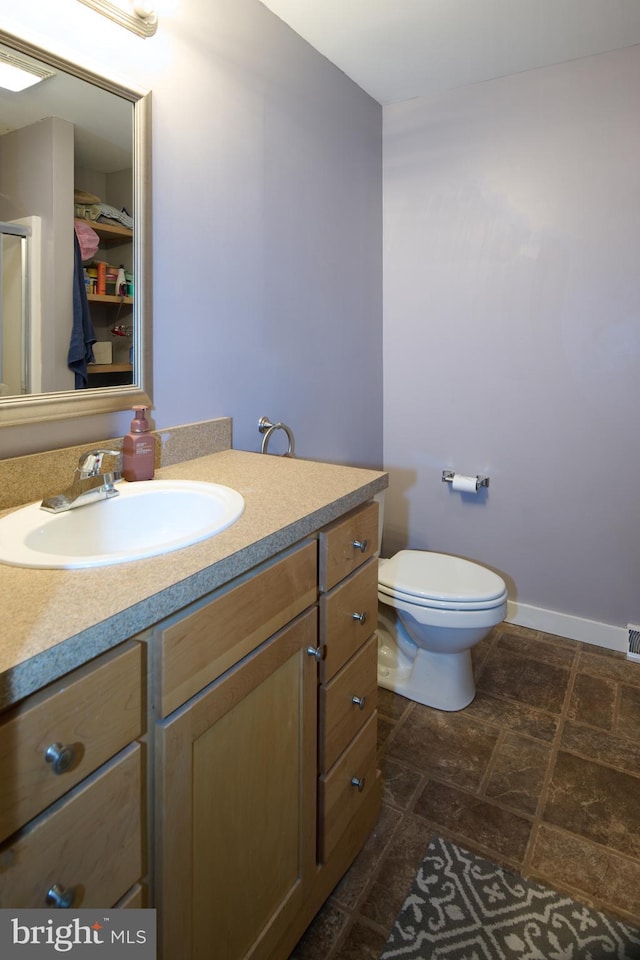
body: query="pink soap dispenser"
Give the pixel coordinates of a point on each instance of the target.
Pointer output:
(139, 448)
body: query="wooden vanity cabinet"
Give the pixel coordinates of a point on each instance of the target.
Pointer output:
(348, 783)
(72, 788)
(265, 745)
(262, 758)
(236, 767)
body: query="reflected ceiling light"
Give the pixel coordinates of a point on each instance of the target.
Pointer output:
(138, 16)
(18, 72)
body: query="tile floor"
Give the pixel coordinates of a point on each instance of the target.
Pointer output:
(540, 773)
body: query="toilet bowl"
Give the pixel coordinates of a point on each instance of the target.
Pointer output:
(433, 608)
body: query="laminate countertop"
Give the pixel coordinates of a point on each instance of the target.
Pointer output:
(55, 620)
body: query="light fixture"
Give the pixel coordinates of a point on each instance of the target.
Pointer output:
(18, 72)
(138, 16)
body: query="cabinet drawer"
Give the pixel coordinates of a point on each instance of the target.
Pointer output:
(340, 716)
(201, 646)
(95, 712)
(339, 797)
(348, 617)
(347, 543)
(91, 841)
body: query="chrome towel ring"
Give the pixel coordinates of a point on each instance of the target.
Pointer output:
(268, 428)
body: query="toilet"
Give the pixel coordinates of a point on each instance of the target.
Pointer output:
(433, 608)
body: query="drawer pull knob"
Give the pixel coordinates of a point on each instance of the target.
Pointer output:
(359, 702)
(61, 758)
(317, 652)
(360, 545)
(358, 782)
(60, 898)
(360, 617)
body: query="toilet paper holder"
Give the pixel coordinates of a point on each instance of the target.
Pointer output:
(448, 475)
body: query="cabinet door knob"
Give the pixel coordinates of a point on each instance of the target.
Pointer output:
(359, 702)
(61, 758)
(358, 782)
(360, 545)
(317, 652)
(61, 898)
(360, 617)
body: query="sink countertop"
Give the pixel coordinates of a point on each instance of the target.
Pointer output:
(56, 620)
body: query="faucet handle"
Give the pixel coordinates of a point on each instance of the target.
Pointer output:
(90, 463)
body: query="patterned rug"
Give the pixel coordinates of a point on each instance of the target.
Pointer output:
(462, 907)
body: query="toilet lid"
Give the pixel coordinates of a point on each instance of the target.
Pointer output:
(393, 599)
(439, 577)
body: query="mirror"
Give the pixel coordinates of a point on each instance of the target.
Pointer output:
(74, 163)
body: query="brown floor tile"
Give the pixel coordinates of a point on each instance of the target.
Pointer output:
(602, 746)
(610, 881)
(392, 705)
(362, 942)
(556, 650)
(595, 802)
(385, 729)
(322, 935)
(516, 677)
(400, 783)
(477, 821)
(609, 664)
(518, 774)
(474, 777)
(452, 746)
(518, 717)
(593, 701)
(527, 633)
(629, 716)
(349, 890)
(389, 888)
(590, 649)
(481, 650)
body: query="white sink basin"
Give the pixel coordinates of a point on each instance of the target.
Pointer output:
(146, 519)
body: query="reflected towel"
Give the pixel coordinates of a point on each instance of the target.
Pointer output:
(83, 336)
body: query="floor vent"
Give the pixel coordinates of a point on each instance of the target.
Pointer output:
(633, 648)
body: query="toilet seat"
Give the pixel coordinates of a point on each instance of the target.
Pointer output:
(439, 581)
(471, 605)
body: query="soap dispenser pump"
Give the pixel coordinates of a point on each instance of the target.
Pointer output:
(139, 448)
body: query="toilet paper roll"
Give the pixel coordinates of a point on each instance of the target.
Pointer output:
(464, 484)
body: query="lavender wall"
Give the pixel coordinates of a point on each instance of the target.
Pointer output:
(267, 166)
(512, 332)
(511, 284)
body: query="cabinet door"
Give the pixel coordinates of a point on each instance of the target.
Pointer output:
(236, 804)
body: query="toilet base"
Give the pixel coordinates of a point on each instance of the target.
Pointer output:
(440, 680)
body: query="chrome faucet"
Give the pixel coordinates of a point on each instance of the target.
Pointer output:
(90, 483)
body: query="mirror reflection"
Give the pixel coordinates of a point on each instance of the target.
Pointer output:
(68, 244)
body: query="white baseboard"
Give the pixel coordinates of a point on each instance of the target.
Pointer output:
(565, 625)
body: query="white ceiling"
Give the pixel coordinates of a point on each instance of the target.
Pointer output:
(103, 122)
(400, 49)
